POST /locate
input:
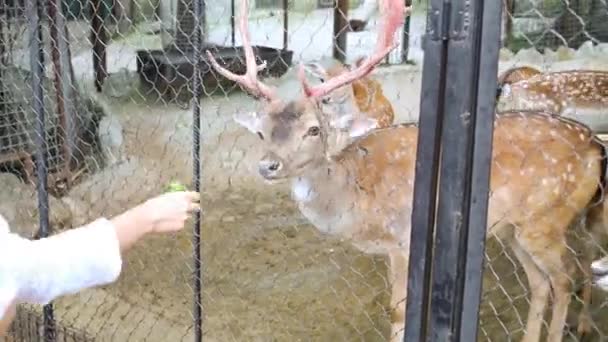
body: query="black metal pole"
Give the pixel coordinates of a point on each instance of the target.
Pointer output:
(196, 170)
(285, 24)
(405, 46)
(487, 51)
(426, 173)
(340, 34)
(232, 14)
(99, 41)
(37, 69)
(56, 31)
(466, 110)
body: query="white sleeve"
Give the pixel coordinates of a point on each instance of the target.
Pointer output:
(42, 270)
(366, 10)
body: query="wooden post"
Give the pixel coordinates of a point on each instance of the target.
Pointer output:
(57, 31)
(99, 40)
(340, 30)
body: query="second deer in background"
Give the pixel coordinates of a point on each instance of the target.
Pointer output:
(577, 94)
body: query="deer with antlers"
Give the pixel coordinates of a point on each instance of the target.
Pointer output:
(546, 171)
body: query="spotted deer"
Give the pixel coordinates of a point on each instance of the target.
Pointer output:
(514, 75)
(546, 171)
(364, 96)
(579, 94)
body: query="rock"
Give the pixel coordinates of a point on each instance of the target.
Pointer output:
(111, 138)
(19, 205)
(586, 50)
(120, 84)
(529, 56)
(505, 54)
(564, 53)
(114, 189)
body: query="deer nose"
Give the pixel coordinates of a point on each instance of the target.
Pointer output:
(269, 167)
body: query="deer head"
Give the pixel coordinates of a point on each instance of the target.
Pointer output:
(365, 96)
(297, 133)
(513, 75)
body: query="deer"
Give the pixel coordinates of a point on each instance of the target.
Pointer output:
(514, 75)
(546, 171)
(364, 96)
(575, 93)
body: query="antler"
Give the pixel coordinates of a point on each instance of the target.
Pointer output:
(249, 80)
(393, 12)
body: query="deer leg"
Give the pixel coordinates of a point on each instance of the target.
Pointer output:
(584, 316)
(539, 291)
(561, 284)
(546, 245)
(594, 224)
(398, 280)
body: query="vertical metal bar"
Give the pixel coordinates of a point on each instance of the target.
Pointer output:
(37, 69)
(405, 45)
(67, 74)
(487, 52)
(456, 163)
(196, 172)
(340, 34)
(98, 40)
(285, 24)
(53, 12)
(426, 173)
(232, 15)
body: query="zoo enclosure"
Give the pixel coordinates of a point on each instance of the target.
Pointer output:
(98, 135)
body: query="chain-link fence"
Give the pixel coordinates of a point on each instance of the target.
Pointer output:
(117, 94)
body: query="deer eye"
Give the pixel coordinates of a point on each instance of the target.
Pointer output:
(313, 131)
(261, 135)
(326, 100)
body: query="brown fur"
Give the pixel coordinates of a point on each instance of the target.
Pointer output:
(545, 172)
(368, 95)
(517, 74)
(564, 93)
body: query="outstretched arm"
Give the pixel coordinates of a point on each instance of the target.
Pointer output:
(39, 271)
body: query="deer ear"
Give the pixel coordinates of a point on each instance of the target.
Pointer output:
(343, 122)
(505, 90)
(250, 120)
(316, 70)
(361, 126)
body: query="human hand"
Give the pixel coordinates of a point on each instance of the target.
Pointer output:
(169, 212)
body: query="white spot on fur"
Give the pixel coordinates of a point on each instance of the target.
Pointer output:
(302, 190)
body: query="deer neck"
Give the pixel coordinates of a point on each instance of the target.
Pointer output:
(324, 196)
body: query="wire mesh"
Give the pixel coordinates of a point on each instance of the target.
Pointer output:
(268, 274)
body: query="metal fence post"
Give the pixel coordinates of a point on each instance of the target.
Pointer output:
(460, 124)
(340, 30)
(37, 69)
(196, 172)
